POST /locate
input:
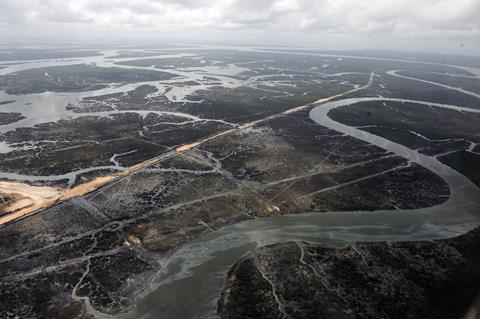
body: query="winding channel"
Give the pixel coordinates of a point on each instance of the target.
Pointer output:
(189, 282)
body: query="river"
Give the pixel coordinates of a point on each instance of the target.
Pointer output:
(189, 283)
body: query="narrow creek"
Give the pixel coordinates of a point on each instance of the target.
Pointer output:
(189, 283)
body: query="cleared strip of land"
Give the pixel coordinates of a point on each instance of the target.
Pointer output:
(38, 202)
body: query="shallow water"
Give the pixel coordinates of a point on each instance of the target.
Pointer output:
(189, 283)
(51, 106)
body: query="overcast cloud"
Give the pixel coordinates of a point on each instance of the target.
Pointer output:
(456, 20)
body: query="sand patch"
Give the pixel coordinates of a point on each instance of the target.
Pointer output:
(21, 196)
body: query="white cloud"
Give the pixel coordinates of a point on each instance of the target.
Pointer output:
(396, 18)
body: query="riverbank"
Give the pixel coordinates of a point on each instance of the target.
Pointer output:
(419, 279)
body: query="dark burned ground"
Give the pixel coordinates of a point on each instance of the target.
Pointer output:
(432, 122)
(7, 118)
(71, 78)
(91, 141)
(136, 99)
(451, 135)
(239, 105)
(467, 163)
(471, 84)
(330, 165)
(105, 247)
(393, 87)
(439, 279)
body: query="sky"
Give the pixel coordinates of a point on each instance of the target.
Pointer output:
(438, 25)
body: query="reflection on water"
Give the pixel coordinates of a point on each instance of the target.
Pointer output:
(51, 106)
(190, 282)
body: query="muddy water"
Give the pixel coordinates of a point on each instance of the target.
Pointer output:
(462, 190)
(51, 106)
(189, 284)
